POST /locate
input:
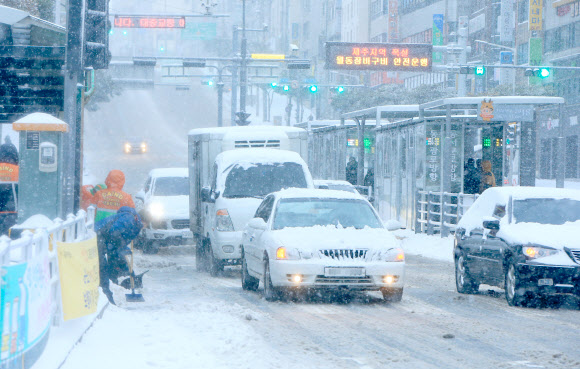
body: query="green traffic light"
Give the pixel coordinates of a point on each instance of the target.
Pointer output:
(479, 70)
(313, 88)
(340, 89)
(125, 33)
(544, 73)
(210, 83)
(273, 84)
(286, 88)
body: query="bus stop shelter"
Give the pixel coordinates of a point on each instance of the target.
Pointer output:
(421, 152)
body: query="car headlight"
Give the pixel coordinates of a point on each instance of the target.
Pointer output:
(536, 252)
(143, 146)
(223, 221)
(127, 147)
(156, 210)
(394, 254)
(283, 253)
(391, 255)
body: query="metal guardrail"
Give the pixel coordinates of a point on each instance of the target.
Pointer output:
(439, 212)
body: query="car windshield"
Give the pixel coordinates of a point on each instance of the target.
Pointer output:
(261, 179)
(310, 212)
(546, 211)
(171, 186)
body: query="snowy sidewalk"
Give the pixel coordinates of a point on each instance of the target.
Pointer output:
(63, 339)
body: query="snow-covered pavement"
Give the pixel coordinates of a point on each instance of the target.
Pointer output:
(191, 320)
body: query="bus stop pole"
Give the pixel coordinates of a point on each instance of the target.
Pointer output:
(446, 171)
(561, 162)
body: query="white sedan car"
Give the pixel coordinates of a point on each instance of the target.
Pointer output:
(320, 239)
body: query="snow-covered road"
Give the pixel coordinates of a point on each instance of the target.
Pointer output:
(191, 320)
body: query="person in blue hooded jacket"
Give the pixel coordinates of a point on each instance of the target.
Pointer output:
(114, 234)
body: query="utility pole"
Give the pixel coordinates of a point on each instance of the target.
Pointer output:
(234, 77)
(72, 105)
(243, 69)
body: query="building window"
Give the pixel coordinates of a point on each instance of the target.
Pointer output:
(523, 10)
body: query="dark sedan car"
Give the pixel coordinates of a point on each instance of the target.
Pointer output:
(522, 239)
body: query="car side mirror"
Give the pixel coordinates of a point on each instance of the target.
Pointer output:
(258, 223)
(206, 195)
(140, 195)
(492, 225)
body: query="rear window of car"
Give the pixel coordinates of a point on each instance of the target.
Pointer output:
(261, 179)
(546, 211)
(171, 186)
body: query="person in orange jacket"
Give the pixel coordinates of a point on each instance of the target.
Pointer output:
(111, 199)
(8, 186)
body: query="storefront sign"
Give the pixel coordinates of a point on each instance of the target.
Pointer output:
(437, 36)
(535, 18)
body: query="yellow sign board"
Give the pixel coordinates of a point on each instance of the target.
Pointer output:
(268, 56)
(535, 15)
(78, 265)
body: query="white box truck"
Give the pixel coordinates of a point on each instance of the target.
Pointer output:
(231, 169)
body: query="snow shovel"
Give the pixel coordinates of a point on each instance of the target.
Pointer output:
(133, 297)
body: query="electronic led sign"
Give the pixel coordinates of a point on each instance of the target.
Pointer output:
(379, 56)
(149, 22)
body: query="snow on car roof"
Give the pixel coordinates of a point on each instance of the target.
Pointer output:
(257, 155)
(502, 194)
(299, 193)
(169, 172)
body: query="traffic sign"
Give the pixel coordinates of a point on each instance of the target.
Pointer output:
(242, 118)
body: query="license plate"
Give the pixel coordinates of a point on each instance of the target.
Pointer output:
(344, 272)
(545, 282)
(187, 234)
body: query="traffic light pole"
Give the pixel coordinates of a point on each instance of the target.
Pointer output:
(70, 177)
(243, 67)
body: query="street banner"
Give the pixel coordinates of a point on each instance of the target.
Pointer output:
(437, 36)
(25, 308)
(535, 15)
(507, 25)
(78, 265)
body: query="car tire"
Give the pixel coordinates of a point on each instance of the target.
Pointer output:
(513, 291)
(249, 283)
(392, 294)
(463, 280)
(215, 265)
(271, 293)
(200, 257)
(150, 247)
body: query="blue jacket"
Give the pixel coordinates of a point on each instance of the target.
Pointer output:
(117, 231)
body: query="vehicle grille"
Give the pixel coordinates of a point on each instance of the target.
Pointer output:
(257, 143)
(343, 280)
(180, 224)
(341, 254)
(575, 254)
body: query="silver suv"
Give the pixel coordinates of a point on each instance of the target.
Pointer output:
(163, 204)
